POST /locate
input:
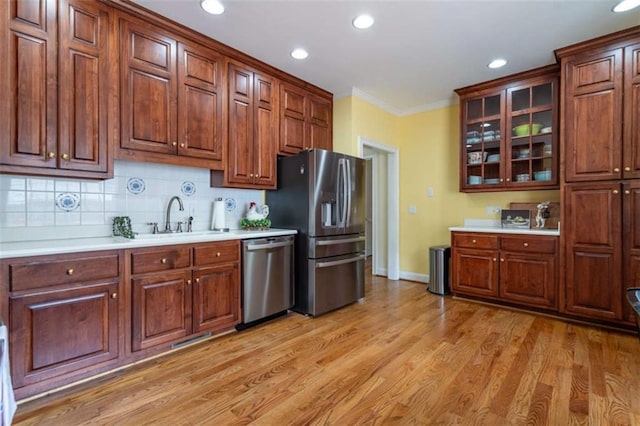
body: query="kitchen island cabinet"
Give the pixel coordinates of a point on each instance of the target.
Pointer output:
(518, 269)
(57, 88)
(64, 317)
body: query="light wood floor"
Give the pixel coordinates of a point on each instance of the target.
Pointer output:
(403, 356)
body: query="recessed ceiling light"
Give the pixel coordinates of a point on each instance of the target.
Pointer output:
(299, 53)
(497, 63)
(362, 22)
(213, 7)
(625, 5)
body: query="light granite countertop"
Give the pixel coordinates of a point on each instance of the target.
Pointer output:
(75, 245)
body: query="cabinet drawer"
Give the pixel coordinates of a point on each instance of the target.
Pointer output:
(222, 252)
(529, 244)
(45, 272)
(482, 241)
(160, 260)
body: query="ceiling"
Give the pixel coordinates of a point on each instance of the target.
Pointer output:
(416, 53)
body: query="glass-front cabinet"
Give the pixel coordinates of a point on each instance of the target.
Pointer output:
(509, 133)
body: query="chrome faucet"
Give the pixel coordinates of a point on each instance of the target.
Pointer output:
(167, 218)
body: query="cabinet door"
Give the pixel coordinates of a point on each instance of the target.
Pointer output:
(200, 118)
(593, 113)
(161, 309)
(293, 137)
(631, 241)
(529, 279)
(265, 131)
(631, 149)
(216, 297)
(84, 86)
(593, 244)
(240, 149)
(148, 89)
(64, 331)
(475, 272)
(320, 119)
(28, 80)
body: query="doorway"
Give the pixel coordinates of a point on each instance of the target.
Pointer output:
(384, 160)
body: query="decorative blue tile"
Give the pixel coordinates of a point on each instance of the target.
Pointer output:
(67, 201)
(135, 185)
(230, 204)
(188, 188)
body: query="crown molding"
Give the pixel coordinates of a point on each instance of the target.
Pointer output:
(362, 95)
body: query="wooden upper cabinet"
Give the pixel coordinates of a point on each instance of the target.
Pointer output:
(171, 98)
(253, 129)
(601, 100)
(509, 132)
(83, 86)
(631, 148)
(305, 120)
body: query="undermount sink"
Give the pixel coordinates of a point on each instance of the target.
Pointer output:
(178, 235)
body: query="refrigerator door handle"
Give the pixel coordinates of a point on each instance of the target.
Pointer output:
(347, 193)
(342, 191)
(342, 241)
(338, 262)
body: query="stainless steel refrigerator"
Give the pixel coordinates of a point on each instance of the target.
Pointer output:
(321, 194)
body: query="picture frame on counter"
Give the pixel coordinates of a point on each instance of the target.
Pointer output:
(516, 219)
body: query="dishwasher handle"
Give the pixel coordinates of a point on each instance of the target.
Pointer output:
(252, 247)
(341, 241)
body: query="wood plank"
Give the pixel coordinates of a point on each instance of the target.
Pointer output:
(403, 356)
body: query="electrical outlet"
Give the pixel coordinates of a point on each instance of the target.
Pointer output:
(497, 209)
(429, 192)
(412, 209)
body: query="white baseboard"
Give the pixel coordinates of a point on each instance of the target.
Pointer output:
(409, 276)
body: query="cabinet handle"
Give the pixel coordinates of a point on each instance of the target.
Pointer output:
(182, 145)
(189, 282)
(197, 280)
(616, 170)
(494, 259)
(65, 157)
(218, 254)
(250, 175)
(502, 259)
(526, 244)
(163, 260)
(615, 191)
(114, 295)
(174, 143)
(51, 155)
(70, 271)
(627, 192)
(473, 241)
(508, 179)
(501, 180)
(627, 169)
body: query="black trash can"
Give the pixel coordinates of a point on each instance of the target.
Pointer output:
(633, 296)
(439, 257)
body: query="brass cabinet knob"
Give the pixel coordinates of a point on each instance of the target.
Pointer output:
(616, 170)
(182, 145)
(627, 169)
(508, 179)
(627, 192)
(163, 260)
(494, 259)
(615, 191)
(473, 241)
(526, 244)
(218, 254)
(501, 259)
(65, 157)
(51, 155)
(70, 271)
(174, 143)
(197, 280)
(114, 295)
(188, 281)
(501, 180)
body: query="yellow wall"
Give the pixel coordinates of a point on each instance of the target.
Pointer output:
(428, 144)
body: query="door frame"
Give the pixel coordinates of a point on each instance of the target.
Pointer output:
(393, 204)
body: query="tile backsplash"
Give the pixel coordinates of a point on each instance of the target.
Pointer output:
(38, 208)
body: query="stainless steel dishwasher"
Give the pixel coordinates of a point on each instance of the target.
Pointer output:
(267, 279)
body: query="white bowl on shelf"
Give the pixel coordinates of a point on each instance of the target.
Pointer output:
(523, 177)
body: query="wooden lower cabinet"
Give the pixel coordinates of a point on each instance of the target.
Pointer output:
(519, 269)
(64, 317)
(185, 290)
